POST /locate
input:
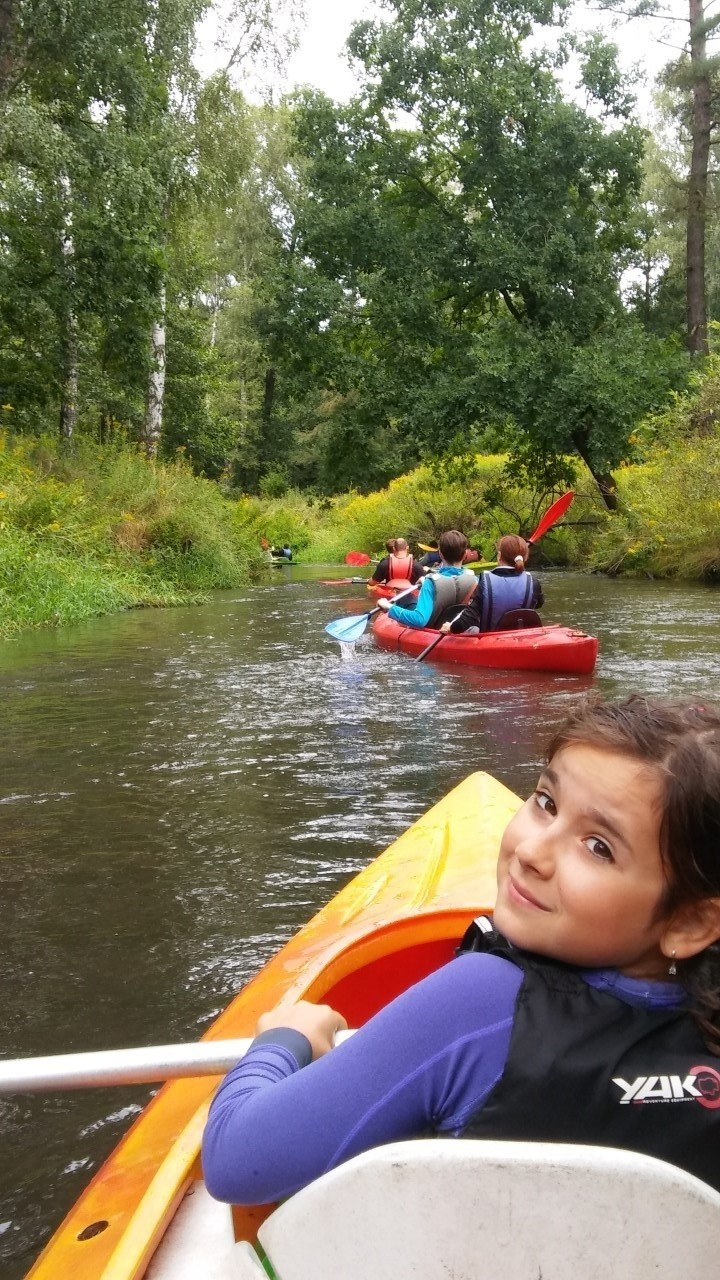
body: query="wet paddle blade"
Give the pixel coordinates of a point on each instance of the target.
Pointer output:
(348, 630)
(554, 513)
(357, 557)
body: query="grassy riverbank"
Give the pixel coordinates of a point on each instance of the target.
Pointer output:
(93, 531)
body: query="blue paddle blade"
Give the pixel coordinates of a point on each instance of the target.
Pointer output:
(348, 630)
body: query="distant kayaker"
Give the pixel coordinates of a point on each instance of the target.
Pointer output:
(508, 586)
(440, 592)
(397, 568)
(282, 553)
(593, 995)
(431, 559)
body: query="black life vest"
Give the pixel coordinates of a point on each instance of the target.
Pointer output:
(586, 1067)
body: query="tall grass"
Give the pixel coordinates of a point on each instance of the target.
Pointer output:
(668, 524)
(91, 531)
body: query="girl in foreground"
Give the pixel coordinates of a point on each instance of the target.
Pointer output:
(600, 988)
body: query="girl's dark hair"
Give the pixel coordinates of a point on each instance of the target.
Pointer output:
(390, 546)
(681, 740)
(512, 548)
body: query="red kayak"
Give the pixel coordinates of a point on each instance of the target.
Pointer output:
(554, 648)
(387, 590)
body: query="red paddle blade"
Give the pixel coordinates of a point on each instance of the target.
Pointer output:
(357, 557)
(554, 513)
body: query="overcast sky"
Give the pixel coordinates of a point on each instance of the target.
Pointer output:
(320, 61)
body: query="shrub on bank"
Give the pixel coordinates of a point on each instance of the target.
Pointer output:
(668, 524)
(92, 530)
(466, 493)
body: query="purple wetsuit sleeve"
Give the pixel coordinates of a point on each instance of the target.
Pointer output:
(424, 1064)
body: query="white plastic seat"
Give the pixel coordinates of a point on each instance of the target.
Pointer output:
(475, 1210)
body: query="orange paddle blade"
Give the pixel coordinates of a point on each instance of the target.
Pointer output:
(357, 557)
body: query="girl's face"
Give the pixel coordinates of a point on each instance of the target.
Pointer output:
(580, 877)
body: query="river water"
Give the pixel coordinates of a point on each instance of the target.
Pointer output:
(181, 789)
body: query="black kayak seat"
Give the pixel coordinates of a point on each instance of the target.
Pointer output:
(517, 619)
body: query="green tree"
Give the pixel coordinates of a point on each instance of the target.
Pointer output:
(457, 247)
(693, 78)
(81, 113)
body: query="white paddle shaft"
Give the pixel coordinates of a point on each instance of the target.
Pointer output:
(124, 1066)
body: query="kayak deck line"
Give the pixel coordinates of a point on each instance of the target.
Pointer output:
(396, 921)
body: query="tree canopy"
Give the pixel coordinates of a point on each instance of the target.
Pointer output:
(481, 246)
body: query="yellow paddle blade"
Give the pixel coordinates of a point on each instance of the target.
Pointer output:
(481, 564)
(424, 547)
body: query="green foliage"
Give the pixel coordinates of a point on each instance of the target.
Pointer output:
(463, 272)
(94, 530)
(288, 519)
(472, 493)
(274, 483)
(431, 270)
(669, 522)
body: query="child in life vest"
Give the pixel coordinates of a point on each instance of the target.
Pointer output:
(397, 569)
(588, 1011)
(440, 592)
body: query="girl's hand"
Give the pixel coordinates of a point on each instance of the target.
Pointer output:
(445, 628)
(316, 1021)
(384, 605)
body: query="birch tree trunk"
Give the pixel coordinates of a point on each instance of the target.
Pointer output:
(156, 383)
(215, 312)
(697, 185)
(69, 394)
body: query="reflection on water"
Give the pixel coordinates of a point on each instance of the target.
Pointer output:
(181, 789)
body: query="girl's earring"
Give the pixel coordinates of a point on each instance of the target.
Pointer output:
(673, 967)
